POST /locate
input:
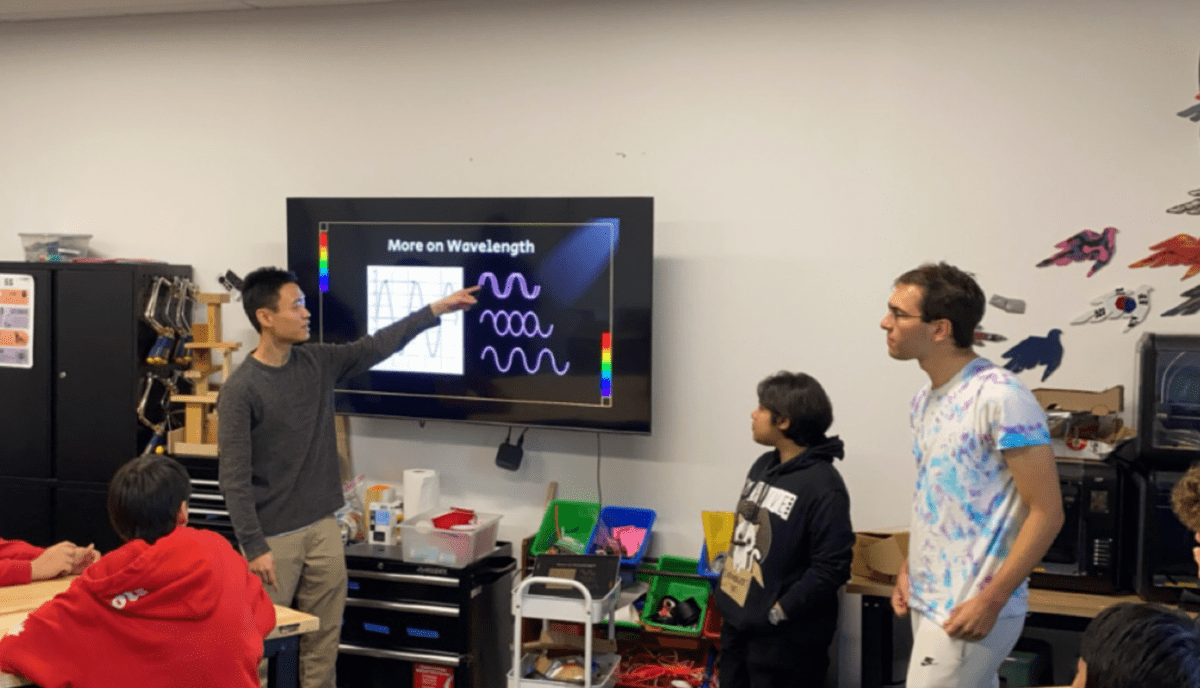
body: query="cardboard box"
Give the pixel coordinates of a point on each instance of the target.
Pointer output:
(566, 639)
(1111, 400)
(878, 554)
(1084, 425)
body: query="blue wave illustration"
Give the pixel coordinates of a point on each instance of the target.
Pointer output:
(537, 363)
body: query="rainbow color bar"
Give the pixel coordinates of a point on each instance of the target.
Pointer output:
(606, 365)
(323, 263)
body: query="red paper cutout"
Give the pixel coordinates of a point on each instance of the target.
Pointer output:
(1180, 249)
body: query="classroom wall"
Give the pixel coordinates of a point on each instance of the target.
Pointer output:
(801, 155)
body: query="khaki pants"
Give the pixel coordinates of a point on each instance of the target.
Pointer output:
(310, 572)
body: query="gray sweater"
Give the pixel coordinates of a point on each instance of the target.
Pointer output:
(278, 447)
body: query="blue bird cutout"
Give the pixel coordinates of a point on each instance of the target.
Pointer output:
(1036, 351)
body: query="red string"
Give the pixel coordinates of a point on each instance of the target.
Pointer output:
(646, 669)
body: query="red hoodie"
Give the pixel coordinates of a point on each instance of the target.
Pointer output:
(16, 562)
(184, 612)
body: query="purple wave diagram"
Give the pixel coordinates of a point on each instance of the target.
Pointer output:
(516, 323)
(513, 278)
(518, 351)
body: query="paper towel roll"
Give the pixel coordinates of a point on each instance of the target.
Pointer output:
(421, 491)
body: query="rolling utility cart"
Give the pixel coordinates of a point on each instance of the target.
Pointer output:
(563, 599)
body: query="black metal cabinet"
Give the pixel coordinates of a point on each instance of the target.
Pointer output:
(70, 420)
(26, 512)
(26, 408)
(403, 620)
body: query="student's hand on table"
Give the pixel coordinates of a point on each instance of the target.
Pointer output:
(900, 592)
(458, 301)
(263, 566)
(972, 620)
(84, 557)
(54, 562)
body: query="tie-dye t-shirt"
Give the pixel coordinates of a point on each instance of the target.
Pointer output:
(966, 510)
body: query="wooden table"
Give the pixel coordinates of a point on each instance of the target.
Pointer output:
(1047, 608)
(281, 647)
(1041, 601)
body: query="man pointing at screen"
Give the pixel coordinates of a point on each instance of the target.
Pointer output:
(278, 452)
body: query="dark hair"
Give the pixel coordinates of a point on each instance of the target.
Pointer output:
(1185, 498)
(802, 401)
(1131, 645)
(951, 294)
(261, 288)
(144, 497)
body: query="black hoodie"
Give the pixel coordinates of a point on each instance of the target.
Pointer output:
(792, 542)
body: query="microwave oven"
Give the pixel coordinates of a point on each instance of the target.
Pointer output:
(1092, 552)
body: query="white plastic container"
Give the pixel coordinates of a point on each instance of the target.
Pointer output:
(423, 543)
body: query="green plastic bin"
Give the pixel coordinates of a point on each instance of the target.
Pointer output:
(680, 589)
(576, 520)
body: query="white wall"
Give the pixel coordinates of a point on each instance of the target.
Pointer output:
(801, 155)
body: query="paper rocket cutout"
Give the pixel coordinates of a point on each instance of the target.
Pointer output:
(1084, 246)
(982, 337)
(1180, 249)
(1119, 303)
(1036, 351)
(1187, 307)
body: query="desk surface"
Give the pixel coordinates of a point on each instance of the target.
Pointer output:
(1040, 601)
(18, 600)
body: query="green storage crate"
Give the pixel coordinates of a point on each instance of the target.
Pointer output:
(576, 520)
(680, 589)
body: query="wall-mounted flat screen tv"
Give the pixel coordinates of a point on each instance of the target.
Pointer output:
(561, 335)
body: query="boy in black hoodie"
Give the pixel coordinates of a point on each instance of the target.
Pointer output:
(791, 546)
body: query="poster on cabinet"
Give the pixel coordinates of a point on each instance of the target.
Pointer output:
(16, 321)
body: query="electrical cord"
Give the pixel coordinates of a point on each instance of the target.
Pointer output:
(599, 497)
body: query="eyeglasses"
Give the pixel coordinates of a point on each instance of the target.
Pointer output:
(898, 314)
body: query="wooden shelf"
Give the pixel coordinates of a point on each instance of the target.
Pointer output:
(210, 398)
(188, 449)
(232, 346)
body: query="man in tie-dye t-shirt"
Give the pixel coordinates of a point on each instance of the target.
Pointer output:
(986, 505)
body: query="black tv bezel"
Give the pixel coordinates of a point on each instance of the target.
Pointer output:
(306, 214)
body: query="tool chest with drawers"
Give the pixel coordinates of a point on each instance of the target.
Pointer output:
(409, 624)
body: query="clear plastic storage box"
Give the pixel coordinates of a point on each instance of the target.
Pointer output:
(55, 247)
(423, 543)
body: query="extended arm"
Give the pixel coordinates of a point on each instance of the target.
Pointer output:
(354, 358)
(1036, 477)
(16, 561)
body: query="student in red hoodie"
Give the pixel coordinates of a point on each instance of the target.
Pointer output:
(21, 562)
(174, 606)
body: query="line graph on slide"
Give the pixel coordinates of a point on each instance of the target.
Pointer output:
(394, 291)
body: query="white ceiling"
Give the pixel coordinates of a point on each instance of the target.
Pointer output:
(32, 10)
